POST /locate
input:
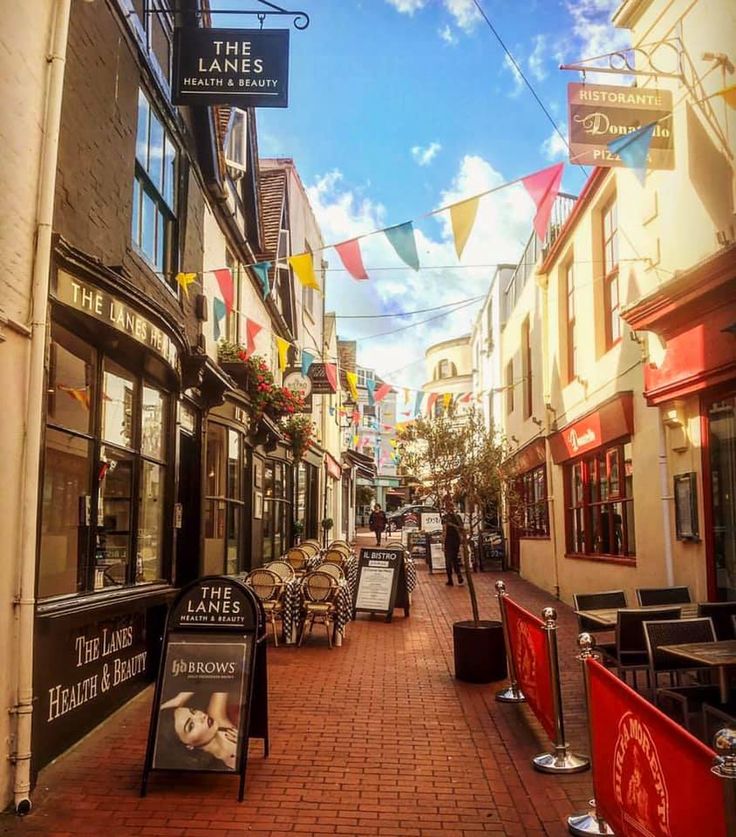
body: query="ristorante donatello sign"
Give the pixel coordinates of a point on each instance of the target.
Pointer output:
(599, 114)
(239, 67)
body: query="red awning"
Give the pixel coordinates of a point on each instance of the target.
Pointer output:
(610, 421)
(334, 469)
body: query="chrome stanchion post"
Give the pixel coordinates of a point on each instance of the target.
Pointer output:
(562, 760)
(590, 822)
(724, 766)
(512, 693)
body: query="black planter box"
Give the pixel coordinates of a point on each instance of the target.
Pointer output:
(480, 653)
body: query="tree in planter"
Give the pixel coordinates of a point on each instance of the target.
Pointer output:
(457, 456)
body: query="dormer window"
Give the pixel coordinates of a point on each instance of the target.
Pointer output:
(236, 143)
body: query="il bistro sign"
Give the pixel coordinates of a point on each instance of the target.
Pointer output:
(239, 67)
(598, 114)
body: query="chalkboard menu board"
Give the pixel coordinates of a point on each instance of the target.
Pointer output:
(378, 579)
(212, 671)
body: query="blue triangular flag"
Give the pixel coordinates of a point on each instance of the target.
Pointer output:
(633, 149)
(371, 386)
(219, 311)
(261, 269)
(332, 411)
(418, 403)
(307, 361)
(402, 240)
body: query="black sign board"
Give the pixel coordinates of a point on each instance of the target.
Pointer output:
(301, 384)
(212, 672)
(239, 67)
(321, 383)
(379, 571)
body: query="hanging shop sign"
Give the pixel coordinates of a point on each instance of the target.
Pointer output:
(302, 385)
(239, 67)
(322, 383)
(212, 673)
(613, 420)
(599, 114)
(90, 300)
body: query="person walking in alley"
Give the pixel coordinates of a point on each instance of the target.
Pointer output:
(377, 522)
(452, 523)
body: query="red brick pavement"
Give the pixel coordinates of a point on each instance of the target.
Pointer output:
(376, 737)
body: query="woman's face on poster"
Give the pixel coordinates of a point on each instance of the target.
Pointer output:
(194, 727)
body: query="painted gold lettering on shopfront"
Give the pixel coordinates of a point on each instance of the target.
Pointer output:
(102, 306)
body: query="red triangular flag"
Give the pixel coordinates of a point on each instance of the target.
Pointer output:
(466, 397)
(227, 289)
(331, 373)
(251, 332)
(356, 416)
(543, 187)
(431, 401)
(381, 392)
(349, 252)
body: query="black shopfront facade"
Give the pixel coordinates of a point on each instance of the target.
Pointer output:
(110, 507)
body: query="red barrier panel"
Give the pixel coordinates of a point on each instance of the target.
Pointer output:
(651, 777)
(528, 645)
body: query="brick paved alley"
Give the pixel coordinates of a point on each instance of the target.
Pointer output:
(376, 737)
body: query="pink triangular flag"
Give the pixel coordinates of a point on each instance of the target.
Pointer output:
(251, 332)
(381, 392)
(349, 252)
(543, 187)
(331, 374)
(227, 289)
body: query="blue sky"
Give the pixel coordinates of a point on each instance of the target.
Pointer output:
(400, 106)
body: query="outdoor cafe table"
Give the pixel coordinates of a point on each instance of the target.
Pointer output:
(293, 599)
(720, 655)
(606, 618)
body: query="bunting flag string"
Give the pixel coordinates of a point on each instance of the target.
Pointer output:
(371, 387)
(303, 267)
(418, 403)
(543, 187)
(282, 347)
(307, 361)
(218, 313)
(349, 253)
(633, 149)
(433, 396)
(227, 288)
(352, 379)
(462, 217)
(251, 332)
(446, 400)
(381, 392)
(261, 270)
(401, 238)
(184, 280)
(331, 375)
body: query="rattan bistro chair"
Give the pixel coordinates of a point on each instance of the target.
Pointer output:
(631, 648)
(340, 547)
(267, 585)
(310, 547)
(656, 596)
(335, 570)
(341, 543)
(319, 590)
(283, 569)
(298, 559)
(722, 614)
(682, 700)
(334, 556)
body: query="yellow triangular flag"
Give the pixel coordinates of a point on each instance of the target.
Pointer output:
(352, 379)
(729, 95)
(447, 399)
(462, 216)
(303, 266)
(283, 349)
(184, 280)
(406, 395)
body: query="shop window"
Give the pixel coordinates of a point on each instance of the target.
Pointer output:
(276, 510)
(236, 143)
(611, 302)
(104, 482)
(600, 507)
(154, 192)
(531, 501)
(223, 500)
(445, 369)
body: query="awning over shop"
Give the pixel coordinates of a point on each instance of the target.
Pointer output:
(334, 469)
(364, 465)
(528, 457)
(610, 421)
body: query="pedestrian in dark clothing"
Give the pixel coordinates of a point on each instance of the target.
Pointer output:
(452, 523)
(377, 522)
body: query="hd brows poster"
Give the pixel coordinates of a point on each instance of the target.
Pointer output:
(239, 67)
(203, 710)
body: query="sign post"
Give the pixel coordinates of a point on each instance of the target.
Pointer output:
(212, 693)
(379, 574)
(432, 527)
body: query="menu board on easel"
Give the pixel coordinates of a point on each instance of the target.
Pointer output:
(378, 579)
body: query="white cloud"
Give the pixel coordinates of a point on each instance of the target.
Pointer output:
(518, 86)
(593, 33)
(464, 13)
(407, 7)
(447, 34)
(424, 156)
(537, 58)
(501, 229)
(554, 147)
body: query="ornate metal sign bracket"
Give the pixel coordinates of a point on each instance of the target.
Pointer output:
(662, 59)
(301, 19)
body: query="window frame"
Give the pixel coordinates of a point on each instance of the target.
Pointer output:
(570, 320)
(526, 348)
(532, 507)
(610, 261)
(584, 517)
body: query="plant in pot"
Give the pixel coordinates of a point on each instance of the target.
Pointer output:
(326, 525)
(456, 456)
(300, 431)
(298, 529)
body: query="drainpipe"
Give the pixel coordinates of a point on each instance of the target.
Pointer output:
(665, 497)
(25, 601)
